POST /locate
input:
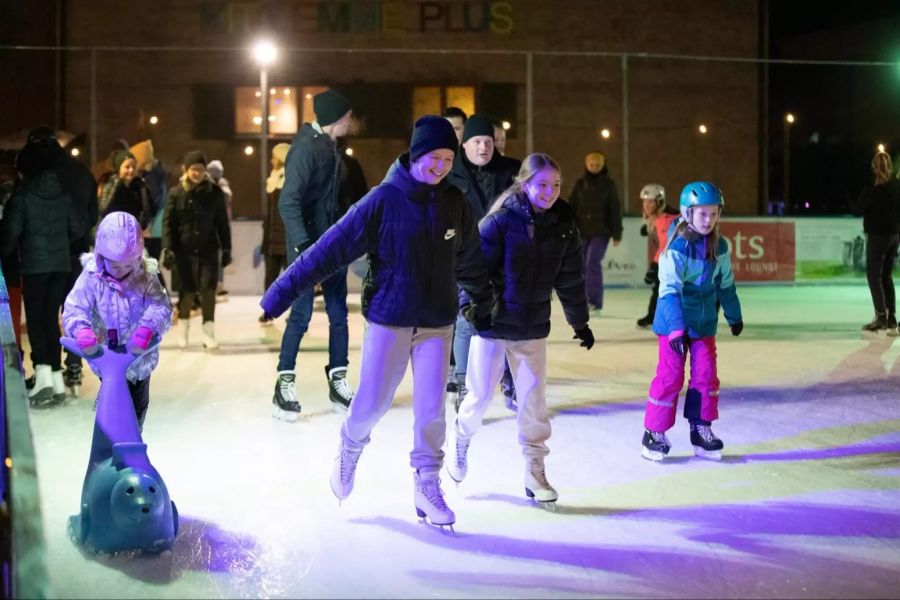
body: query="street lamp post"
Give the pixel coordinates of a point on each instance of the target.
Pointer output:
(786, 151)
(264, 52)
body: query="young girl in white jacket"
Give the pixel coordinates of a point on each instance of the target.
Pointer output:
(118, 299)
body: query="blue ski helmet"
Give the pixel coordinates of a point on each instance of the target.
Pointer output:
(699, 193)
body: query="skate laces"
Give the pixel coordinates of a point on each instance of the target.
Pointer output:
(462, 447)
(537, 471)
(343, 389)
(431, 489)
(659, 437)
(348, 465)
(287, 387)
(705, 431)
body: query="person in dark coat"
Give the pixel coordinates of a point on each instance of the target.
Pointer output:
(273, 242)
(41, 219)
(41, 152)
(195, 230)
(532, 249)
(878, 206)
(308, 204)
(125, 190)
(421, 241)
(595, 200)
(481, 174)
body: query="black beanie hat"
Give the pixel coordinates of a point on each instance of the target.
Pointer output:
(194, 157)
(478, 125)
(329, 107)
(120, 156)
(430, 133)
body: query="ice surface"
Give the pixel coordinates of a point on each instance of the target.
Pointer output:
(804, 504)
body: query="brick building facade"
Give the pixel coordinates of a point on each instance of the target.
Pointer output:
(192, 84)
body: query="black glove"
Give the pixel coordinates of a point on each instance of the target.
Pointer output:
(479, 323)
(586, 336)
(168, 259)
(644, 231)
(679, 345)
(226, 258)
(737, 328)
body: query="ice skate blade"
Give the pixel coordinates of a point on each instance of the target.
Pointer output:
(423, 518)
(284, 415)
(707, 454)
(543, 497)
(654, 455)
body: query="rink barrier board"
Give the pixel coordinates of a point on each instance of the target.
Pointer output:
(21, 497)
(767, 250)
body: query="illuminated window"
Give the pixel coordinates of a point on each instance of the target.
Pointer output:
(308, 92)
(433, 99)
(282, 110)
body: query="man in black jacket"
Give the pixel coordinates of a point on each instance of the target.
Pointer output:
(482, 174)
(309, 205)
(421, 239)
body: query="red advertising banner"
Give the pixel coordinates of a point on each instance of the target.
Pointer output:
(761, 251)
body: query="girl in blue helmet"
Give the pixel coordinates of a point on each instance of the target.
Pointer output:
(119, 291)
(695, 276)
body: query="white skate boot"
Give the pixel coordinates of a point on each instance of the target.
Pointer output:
(429, 500)
(537, 486)
(457, 459)
(344, 472)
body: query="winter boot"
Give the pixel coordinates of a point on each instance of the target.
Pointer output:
(181, 329)
(705, 442)
(457, 455)
(265, 321)
(284, 402)
(72, 377)
(879, 323)
(645, 321)
(209, 336)
(536, 484)
(339, 391)
(41, 395)
(343, 472)
(59, 387)
(429, 499)
(655, 445)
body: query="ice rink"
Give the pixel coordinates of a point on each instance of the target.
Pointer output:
(806, 502)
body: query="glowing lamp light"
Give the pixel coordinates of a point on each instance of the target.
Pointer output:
(604, 133)
(154, 120)
(789, 117)
(258, 94)
(881, 148)
(506, 125)
(272, 91)
(264, 52)
(75, 152)
(257, 120)
(806, 205)
(271, 118)
(248, 150)
(349, 151)
(8, 462)
(287, 91)
(703, 128)
(309, 96)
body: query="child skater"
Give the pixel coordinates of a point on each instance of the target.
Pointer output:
(119, 290)
(694, 274)
(532, 248)
(658, 217)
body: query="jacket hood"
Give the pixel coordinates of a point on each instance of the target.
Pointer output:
(398, 175)
(148, 264)
(186, 184)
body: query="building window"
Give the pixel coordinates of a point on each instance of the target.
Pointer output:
(308, 92)
(282, 110)
(433, 99)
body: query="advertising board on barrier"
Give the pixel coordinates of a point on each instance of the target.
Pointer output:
(761, 250)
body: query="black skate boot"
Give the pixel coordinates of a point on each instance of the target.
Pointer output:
(72, 377)
(705, 442)
(461, 392)
(655, 445)
(284, 402)
(508, 387)
(339, 391)
(645, 321)
(879, 323)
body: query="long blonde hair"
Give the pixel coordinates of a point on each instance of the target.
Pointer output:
(530, 167)
(882, 167)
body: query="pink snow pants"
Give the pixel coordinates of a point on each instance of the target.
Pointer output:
(702, 399)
